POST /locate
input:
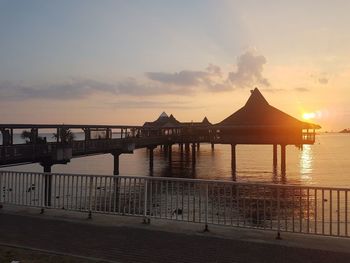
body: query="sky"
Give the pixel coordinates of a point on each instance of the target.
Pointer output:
(124, 62)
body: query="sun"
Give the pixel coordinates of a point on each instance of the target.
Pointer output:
(309, 115)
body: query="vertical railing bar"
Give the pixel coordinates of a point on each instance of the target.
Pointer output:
(90, 194)
(237, 203)
(105, 195)
(160, 200)
(150, 197)
(166, 198)
(315, 205)
(224, 185)
(278, 210)
(231, 205)
(120, 195)
(182, 200)
(323, 200)
(264, 205)
(244, 205)
(139, 211)
(63, 190)
(338, 212)
(188, 202)
(145, 200)
(308, 209)
(155, 198)
(293, 209)
(330, 212)
(300, 211)
(86, 194)
(124, 198)
(194, 187)
(177, 202)
(346, 213)
(257, 206)
(171, 199)
(134, 197)
(129, 196)
(200, 191)
(206, 205)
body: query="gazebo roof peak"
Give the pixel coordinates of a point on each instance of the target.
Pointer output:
(256, 98)
(163, 115)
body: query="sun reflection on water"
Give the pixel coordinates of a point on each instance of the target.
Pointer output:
(306, 160)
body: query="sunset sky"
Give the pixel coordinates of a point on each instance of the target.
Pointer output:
(124, 62)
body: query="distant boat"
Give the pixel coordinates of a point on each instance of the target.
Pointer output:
(345, 131)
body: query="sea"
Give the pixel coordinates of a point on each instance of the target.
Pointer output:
(326, 163)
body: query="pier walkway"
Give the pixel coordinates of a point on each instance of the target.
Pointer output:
(121, 239)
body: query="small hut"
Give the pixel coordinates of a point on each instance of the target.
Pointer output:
(257, 122)
(164, 125)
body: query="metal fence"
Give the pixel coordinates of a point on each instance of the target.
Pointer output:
(290, 208)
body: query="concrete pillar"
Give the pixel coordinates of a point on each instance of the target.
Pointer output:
(275, 155)
(283, 158)
(151, 157)
(193, 153)
(47, 183)
(170, 146)
(233, 157)
(116, 163)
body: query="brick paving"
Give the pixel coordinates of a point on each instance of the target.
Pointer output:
(130, 244)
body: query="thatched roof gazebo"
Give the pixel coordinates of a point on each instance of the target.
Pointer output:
(257, 122)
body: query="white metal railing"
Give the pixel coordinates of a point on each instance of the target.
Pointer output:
(291, 208)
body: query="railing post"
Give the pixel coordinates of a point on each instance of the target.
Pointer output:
(90, 197)
(206, 229)
(146, 220)
(278, 214)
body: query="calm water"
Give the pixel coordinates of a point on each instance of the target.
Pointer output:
(327, 163)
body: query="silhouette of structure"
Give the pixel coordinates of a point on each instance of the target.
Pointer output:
(256, 122)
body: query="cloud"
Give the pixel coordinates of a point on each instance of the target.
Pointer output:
(182, 78)
(302, 89)
(73, 89)
(183, 83)
(249, 71)
(131, 104)
(323, 81)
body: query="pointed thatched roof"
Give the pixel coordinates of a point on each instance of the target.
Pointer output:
(163, 121)
(257, 112)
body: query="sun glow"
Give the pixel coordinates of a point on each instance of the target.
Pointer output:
(309, 115)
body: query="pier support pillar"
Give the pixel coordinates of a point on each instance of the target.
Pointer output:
(116, 163)
(151, 157)
(170, 146)
(193, 153)
(47, 183)
(233, 157)
(181, 148)
(187, 147)
(274, 155)
(283, 158)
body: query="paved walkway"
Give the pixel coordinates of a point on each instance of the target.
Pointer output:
(127, 240)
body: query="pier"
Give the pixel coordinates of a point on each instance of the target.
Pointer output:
(257, 122)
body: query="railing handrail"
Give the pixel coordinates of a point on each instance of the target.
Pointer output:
(295, 186)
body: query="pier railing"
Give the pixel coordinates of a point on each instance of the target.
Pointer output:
(281, 208)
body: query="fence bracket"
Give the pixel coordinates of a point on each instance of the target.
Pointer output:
(146, 221)
(278, 237)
